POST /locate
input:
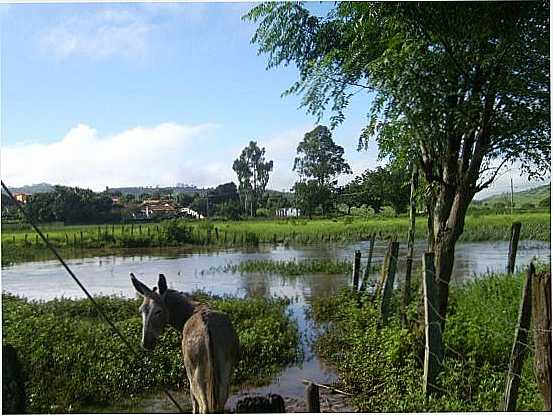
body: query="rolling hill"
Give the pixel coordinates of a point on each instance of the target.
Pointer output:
(533, 196)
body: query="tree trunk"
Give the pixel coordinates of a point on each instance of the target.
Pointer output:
(449, 222)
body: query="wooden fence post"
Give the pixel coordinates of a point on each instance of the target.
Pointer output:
(406, 298)
(541, 312)
(433, 351)
(312, 398)
(368, 267)
(388, 283)
(356, 268)
(518, 351)
(513, 245)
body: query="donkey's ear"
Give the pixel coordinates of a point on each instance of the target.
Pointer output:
(140, 287)
(162, 284)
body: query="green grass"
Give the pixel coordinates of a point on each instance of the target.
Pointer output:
(72, 360)
(382, 367)
(22, 245)
(290, 268)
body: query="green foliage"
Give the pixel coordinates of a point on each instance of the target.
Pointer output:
(378, 187)
(311, 195)
(71, 358)
(69, 204)
(382, 368)
(178, 231)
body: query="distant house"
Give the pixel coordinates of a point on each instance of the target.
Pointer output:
(287, 212)
(152, 207)
(192, 213)
(22, 197)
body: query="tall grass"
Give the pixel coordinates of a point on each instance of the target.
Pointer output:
(291, 267)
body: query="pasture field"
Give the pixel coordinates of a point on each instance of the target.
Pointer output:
(23, 245)
(72, 360)
(477, 340)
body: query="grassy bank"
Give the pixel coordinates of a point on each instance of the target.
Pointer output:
(382, 367)
(22, 245)
(71, 359)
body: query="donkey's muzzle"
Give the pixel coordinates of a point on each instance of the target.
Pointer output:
(148, 344)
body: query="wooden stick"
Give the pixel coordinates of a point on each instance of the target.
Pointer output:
(513, 245)
(518, 352)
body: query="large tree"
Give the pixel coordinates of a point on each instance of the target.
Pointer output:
(322, 160)
(462, 88)
(253, 175)
(319, 157)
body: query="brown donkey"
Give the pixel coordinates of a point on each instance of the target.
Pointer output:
(209, 343)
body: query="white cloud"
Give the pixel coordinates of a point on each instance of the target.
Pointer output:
(162, 155)
(99, 35)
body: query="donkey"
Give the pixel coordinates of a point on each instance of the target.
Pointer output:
(210, 345)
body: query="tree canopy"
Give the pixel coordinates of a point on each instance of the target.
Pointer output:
(319, 157)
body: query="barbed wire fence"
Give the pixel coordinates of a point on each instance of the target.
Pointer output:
(526, 339)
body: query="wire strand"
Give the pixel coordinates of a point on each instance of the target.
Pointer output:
(81, 286)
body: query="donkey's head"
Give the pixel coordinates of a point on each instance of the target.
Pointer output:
(154, 311)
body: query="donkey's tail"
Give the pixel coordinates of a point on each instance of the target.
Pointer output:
(212, 392)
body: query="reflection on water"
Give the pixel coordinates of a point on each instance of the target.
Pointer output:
(110, 275)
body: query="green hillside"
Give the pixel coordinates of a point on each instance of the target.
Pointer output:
(533, 196)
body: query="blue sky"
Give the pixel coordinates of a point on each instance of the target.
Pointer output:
(99, 95)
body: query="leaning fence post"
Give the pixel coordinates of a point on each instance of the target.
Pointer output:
(433, 351)
(513, 245)
(312, 398)
(369, 260)
(388, 283)
(356, 268)
(541, 311)
(519, 346)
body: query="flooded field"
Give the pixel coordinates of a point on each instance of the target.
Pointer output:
(192, 270)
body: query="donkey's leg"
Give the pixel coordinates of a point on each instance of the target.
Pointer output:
(194, 403)
(198, 390)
